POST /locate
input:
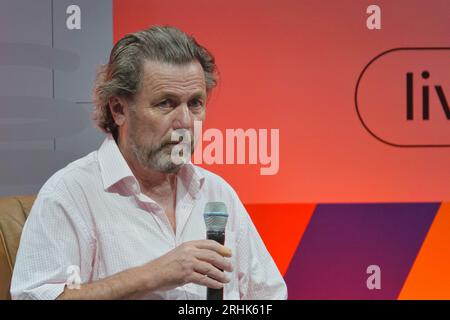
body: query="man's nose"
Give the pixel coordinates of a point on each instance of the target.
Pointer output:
(182, 118)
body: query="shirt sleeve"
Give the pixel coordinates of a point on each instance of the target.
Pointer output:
(54, 247)
(259, 277)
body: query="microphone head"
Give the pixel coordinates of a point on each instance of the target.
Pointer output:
(216, 216)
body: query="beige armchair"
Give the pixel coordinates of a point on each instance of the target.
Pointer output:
(13, 213)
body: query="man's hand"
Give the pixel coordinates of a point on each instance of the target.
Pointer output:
(200, 262)
(196, 262)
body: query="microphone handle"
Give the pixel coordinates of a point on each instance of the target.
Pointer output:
(219, 236)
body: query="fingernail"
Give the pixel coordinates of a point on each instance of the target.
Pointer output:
(227, 251)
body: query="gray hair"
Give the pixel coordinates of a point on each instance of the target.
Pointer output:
(121, 76)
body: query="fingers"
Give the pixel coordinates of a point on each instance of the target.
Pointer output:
(214, 259)
(203, 262)
(214, 246)
(210, 271)
(204, 280)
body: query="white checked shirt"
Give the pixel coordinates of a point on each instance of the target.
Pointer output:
(92, 215)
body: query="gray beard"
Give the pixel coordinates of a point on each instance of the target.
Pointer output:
(157, 159)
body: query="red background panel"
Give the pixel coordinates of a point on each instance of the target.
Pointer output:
(293, 65)
(281, 227)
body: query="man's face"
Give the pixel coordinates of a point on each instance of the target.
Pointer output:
(171, 98)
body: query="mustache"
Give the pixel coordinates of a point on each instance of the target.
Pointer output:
(174, 143)
(185, 138)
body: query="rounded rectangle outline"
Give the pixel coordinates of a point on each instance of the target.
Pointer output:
(357, 107)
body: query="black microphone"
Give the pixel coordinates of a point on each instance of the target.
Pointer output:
(216, 217)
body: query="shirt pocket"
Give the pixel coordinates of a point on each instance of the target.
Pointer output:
(231, 289)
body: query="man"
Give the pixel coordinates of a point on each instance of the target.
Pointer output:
(126, 221)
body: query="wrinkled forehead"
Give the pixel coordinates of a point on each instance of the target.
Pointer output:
(159, 77)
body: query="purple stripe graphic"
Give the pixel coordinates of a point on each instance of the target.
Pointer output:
(342, 240)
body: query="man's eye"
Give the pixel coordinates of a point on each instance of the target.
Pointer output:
(195, 104)
(165, 104)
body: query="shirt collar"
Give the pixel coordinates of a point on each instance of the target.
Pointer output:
(192, 178)
(114, 168)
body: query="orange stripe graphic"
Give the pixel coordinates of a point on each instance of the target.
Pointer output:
(429, 277)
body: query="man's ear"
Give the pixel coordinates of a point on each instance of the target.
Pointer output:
(119, 109)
